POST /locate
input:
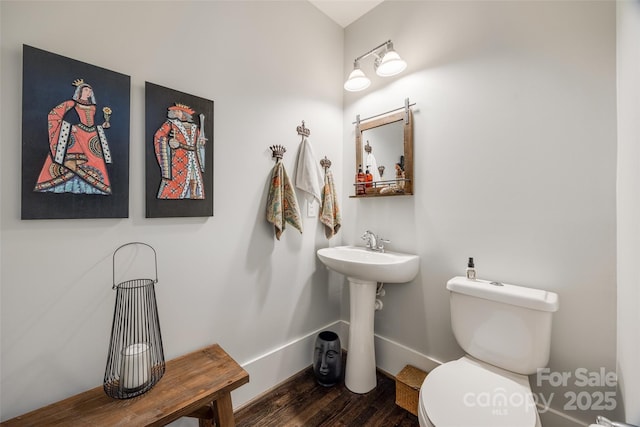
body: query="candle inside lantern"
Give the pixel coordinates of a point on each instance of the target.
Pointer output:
(136, 366)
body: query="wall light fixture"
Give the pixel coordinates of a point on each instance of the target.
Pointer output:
(387, 63)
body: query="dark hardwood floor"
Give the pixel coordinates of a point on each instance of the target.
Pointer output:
(301, 402)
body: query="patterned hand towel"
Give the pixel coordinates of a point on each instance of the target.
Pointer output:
(282, 205)
(330, 212)
(308, 172)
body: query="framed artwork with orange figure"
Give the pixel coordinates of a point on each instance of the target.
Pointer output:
(179, 153)
(75, 139)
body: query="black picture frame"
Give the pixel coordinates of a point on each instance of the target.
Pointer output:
(48, 80)
(157, 101)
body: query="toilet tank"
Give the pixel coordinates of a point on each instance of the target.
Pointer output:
(504, 325)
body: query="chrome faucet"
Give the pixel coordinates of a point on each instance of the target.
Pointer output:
(374, 242)
(370, 238)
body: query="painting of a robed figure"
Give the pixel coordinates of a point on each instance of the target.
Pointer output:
(79, 152)
(75, 141)
(180, 147)
(179, 153)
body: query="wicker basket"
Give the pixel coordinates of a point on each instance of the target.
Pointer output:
(408, 383)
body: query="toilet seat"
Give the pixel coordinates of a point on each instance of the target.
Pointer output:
(469, 393)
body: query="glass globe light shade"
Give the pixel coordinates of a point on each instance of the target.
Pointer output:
(357, 81)
(390, 64)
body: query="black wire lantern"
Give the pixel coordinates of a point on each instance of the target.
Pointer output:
(136, 357)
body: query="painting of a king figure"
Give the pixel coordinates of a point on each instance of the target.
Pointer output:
(75, 139)
(179, 153)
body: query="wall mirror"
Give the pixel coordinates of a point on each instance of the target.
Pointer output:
(384, 155)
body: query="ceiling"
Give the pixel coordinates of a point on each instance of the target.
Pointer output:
(344, 12)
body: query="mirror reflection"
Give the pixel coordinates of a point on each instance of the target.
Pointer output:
(383, 150)
(384, 156)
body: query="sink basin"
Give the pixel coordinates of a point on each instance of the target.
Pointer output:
(364, 264)
(364, 268)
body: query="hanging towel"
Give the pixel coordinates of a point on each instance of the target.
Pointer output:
(372, 164)
(330, 212)
(308, 173)
(282, 205)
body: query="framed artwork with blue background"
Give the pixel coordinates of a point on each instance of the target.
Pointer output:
(179, 153)
(75, 138)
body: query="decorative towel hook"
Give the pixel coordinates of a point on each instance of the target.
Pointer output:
(367, 147)
(303, 130)
(277, 151)
(325, 163)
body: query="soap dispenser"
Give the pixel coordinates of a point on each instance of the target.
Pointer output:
(471, 270)
(368, 178)
(360, 178)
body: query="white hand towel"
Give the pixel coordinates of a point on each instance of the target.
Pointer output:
(372, 165)
(308, 173)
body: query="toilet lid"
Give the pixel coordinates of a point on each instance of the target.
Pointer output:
(467, 393)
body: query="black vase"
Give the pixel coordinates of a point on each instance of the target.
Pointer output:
(327, 359)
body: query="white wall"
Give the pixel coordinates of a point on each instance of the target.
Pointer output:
(515, 154)
(515, 144)
(629, 207)
(225, 279)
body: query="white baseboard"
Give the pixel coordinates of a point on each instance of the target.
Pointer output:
(391, 357)
(278, 365)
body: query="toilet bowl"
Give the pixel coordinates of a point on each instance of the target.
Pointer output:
(505, 332)
(470, 393)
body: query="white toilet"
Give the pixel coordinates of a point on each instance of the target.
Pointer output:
(505, 331)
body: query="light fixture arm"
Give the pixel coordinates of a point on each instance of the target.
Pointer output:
(372, 51)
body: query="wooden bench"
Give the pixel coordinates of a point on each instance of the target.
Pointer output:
(198, 385)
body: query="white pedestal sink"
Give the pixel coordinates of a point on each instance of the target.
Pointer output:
(364, 268)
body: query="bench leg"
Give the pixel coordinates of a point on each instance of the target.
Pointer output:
(205, 416)
(223, 411)
(205, 422)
